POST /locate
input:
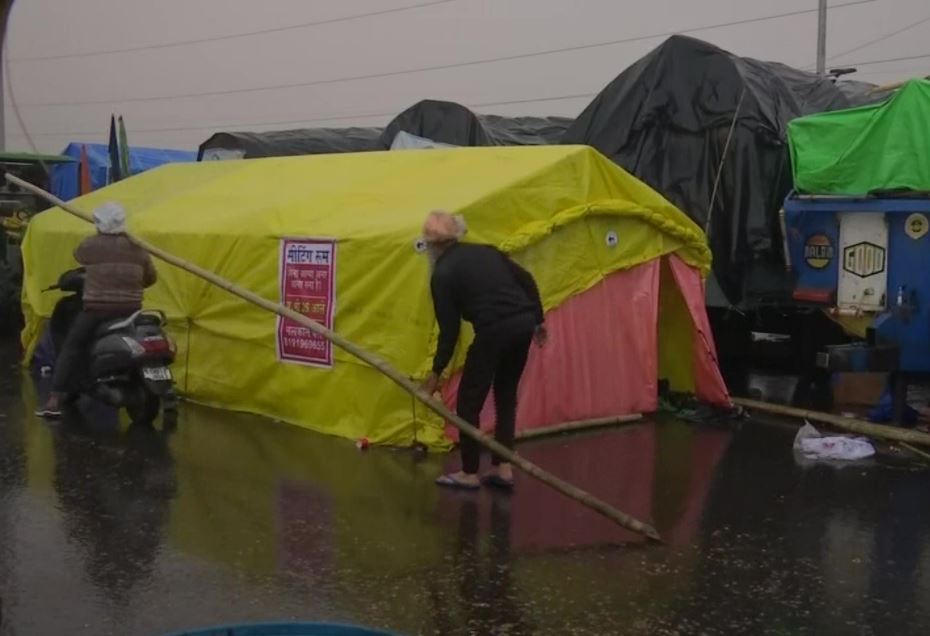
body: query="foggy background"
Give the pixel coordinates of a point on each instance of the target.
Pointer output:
(179, 70)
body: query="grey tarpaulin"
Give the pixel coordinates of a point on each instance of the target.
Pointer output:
(280, 143)
(454, 124)
(441, 122)
(666, 120)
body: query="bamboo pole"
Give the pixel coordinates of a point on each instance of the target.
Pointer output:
(892, 87)
(845, 423)
(916, 451)
(577, 427)
(567, 489)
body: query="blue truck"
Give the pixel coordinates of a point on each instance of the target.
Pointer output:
(866, 262)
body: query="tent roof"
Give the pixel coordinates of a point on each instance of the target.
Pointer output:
(566, 213)
(455, 124)
(65, 178)
(369, 195)
(883, 147)
(444, 122)
(301, 141)
(686, 84)
(668, 119)
(147, 157)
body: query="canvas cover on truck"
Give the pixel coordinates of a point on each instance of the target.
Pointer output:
(881, 148)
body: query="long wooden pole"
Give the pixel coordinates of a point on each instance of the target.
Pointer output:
(577, 427)
(845, 423)
(381, 365)
(884, 88)
(916, 451)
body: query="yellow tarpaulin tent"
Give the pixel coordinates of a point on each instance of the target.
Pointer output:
(336, 237)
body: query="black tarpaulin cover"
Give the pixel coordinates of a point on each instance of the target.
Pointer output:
(305, 141)
(666, 119)
(451, 123)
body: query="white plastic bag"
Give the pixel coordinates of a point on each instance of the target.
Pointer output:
(813, 445)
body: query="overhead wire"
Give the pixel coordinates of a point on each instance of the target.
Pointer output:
(921, 71)
(327, 118)
(887, 36)
(231, 36)
(343, 117)
(890, 59)
(439, 67)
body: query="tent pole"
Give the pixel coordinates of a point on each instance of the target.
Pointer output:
(567, 489)
(580, 426)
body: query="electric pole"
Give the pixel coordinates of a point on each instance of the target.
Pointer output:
(5, 7)
(821, 38)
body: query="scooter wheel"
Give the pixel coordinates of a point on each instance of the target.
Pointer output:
(145, 410)
(169, 419)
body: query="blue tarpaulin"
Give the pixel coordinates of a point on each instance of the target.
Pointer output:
(66, 182)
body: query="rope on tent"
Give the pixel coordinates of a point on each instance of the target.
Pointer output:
(567, 489)
(723, 158)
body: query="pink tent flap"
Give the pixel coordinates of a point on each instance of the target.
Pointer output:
(602, 355)
(708, 382)
(600, 360)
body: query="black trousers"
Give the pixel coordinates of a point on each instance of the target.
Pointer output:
(496, 358)
(77, 346)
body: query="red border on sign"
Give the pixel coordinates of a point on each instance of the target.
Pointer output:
(327, 360)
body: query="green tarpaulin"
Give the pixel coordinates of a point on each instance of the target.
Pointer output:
(880, 148)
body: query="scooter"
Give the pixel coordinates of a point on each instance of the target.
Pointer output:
(129, 358)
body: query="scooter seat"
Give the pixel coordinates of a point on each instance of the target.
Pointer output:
(119, 324)
(138, 318)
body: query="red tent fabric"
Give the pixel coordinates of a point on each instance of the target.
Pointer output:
(605, 356)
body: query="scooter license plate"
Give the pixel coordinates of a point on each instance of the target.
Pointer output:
(157, 374)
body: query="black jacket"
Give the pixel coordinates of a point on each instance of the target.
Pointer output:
(480, 284)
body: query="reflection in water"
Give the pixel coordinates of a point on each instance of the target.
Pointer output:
(242, 519)
(899, 554)
(12, 481)
(826, 549)
(371, 528)
(483, 600)
(115, 490)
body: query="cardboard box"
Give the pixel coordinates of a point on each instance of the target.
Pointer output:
(860, 389)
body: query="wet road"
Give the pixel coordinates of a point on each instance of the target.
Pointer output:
(109, 530)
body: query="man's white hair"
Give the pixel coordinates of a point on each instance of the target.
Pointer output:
(460, 226)
(442, 226)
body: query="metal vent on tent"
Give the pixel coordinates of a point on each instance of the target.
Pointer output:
(612, 239)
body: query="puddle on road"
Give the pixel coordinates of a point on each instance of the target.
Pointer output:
(236, 518)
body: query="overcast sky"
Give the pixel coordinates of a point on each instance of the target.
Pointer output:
(274, 64)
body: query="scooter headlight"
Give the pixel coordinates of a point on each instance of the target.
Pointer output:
(136, 348)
